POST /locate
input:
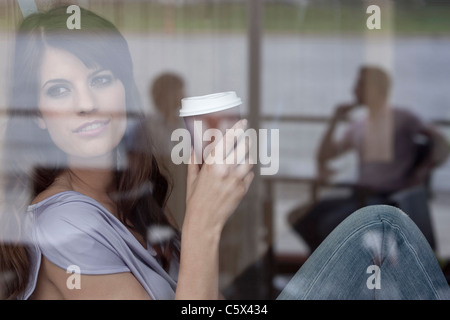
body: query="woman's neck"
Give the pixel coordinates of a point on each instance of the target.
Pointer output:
(96, 181)
(93, 183)
(92, 175)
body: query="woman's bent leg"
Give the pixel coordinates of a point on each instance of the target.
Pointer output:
(376, 253)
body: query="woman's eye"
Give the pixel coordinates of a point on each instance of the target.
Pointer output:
(101, 81)
(57, 91)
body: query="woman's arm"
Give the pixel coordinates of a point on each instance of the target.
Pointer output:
(213, 194)
(55, 283)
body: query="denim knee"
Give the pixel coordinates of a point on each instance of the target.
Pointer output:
(376, 238)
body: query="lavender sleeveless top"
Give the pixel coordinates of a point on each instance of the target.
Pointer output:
(71, 229)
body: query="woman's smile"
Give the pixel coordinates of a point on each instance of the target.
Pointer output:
(92, 128)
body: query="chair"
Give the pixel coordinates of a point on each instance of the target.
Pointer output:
(414, 200)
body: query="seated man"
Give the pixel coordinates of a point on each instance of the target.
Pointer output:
(386, 144)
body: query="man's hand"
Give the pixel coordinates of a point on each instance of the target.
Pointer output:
(342, 111)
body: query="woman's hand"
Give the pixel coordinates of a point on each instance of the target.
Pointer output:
(215, 190)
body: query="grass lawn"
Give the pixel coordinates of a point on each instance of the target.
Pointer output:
(318, 17)
(330, 17)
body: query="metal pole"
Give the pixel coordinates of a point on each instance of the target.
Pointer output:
(254, 10)
(255, 33)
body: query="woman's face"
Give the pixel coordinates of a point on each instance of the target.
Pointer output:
(83, 109)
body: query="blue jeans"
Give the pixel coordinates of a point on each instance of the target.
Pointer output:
(375, 253)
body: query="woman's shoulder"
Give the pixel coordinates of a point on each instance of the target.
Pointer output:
(70, 228)
(67, 209)
(48, 193)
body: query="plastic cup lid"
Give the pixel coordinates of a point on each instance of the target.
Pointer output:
(192, 106)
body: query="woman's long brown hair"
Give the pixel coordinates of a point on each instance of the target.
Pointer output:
(32, 161)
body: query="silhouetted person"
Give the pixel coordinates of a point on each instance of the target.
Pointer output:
(386, 143)
(166, 92)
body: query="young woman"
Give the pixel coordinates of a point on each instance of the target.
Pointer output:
(84, 194)
(83, 187)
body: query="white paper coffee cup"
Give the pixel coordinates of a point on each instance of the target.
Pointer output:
(213, 111)
(210, 103)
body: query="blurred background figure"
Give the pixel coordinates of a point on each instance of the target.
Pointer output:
(166, 92)
(396, 150)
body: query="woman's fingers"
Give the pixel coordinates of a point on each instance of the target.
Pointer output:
(240, 185)
(242, 170)
(231, 156)
(248, 180)
(243, 152)
(234, 166)
(192, 171)
(226, 144)
(238, 132)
